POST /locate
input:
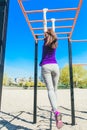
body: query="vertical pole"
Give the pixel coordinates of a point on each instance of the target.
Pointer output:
(71, 82)
(35, 82)
(4, 5)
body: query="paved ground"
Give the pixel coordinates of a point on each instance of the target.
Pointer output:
(17, 110)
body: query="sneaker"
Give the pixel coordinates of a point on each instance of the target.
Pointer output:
(58, 118)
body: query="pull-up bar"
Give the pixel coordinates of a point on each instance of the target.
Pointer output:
(44, 20)
(56, 33)
(51, 10)
(82, 40)
(4, 15)
(76, 16)
(49, 20)
(80, 64)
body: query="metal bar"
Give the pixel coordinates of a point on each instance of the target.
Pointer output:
(77, 13)
(41, 34)
(3, 30)
(59, 38)
(35, 81)
(2, 3)
(1, 80)
(79, 64)
(51, 10)
(49, 20)
(71, 83)
(55, 27)
(83, 40)
(26, 17)
(62, 32)
(24, 0)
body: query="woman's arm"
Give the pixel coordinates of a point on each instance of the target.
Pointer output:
(54, 45)
(47, 41)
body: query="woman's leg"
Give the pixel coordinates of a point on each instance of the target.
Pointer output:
(55, 77)
(46, 73)
(51, 75)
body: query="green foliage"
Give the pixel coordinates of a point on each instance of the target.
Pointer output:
(79, 77)
(41, 84)
(5, 80)
(20, 84)
(31, 84)
(26, 85)
(62, 86)
(64, 76)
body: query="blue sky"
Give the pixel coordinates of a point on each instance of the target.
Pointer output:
(19, 57)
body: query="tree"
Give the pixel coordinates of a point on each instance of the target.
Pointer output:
(5, 80)
(79, 76)
(64, 75)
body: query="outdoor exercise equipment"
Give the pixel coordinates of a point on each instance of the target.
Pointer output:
(4, 5)
(40, 36)
(80, 64)
(69, 34)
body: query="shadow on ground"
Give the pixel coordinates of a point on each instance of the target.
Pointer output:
(23, 120)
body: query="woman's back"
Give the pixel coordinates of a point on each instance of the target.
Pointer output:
(49, 48)
(48, 55)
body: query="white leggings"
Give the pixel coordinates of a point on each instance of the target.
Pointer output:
(50, 73)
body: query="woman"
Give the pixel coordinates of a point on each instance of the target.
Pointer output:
(50, 72)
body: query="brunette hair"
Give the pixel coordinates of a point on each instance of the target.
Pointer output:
(50, 38)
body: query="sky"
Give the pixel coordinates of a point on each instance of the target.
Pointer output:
(20, 44)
